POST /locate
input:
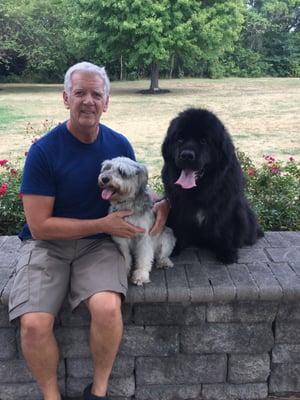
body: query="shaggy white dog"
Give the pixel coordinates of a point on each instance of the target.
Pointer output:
(124, 184)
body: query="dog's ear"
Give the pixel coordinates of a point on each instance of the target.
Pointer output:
(142, 174)
(226, 150)
(166, 147)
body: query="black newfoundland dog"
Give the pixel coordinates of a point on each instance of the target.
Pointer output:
(204, 183)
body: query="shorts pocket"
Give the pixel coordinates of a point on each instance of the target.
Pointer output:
(19, 293)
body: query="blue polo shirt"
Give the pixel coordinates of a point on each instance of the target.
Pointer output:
(61, 166)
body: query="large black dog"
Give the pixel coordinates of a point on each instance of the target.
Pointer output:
(204, 183)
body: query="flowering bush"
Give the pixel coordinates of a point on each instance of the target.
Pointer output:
(273, 190)
(11, 209)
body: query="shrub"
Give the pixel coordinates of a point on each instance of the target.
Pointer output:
(273, 191)
(11, 209)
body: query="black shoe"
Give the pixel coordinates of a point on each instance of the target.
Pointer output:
(87, 395)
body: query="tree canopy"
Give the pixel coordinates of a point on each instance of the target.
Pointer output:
(39, 39)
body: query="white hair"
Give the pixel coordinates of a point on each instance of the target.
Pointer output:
(90, 68)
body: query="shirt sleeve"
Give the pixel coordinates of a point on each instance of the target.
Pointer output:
(37, 176)
(130, 152)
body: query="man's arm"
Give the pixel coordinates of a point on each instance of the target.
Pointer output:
(161, 209)
(43, 226)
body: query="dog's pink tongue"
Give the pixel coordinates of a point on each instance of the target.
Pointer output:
(187, 179)
(106, 194)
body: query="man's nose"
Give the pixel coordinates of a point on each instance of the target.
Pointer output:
(88, 98)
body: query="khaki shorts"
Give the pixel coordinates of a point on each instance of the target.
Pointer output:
(49, 270)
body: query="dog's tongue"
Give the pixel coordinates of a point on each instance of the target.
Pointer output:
(106, 194)
(187, 179)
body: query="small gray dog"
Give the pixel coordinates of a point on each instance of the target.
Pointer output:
(124, 183)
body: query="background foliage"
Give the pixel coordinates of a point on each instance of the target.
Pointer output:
(39, 39)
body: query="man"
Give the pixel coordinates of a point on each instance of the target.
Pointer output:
(71, 251)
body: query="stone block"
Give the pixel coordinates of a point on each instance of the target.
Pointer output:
(168, 314)
(285, 378)
(156, 290)
(24, 391)
(83, 367)
(289, 312)
(16, 371)
(220, 280)
(275, 239)
(247, 391)
(118, 387)
(246, 288)
(140, 341)
(8, 344)
(288, 280)
(286, 353)
(247, 368)
(278, 255)
(227, 338)
(200, 287)
(287, 332)
(73, 342)
(168, 392)
(178, 289)
(251, 311)
(181, 369)
(269, 287)
(250, 255)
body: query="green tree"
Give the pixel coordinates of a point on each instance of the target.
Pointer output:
(150, 33)
(33, 38)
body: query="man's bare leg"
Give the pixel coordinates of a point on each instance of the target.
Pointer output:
(105, 336)
(40, 351)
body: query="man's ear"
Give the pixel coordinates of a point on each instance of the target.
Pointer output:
(106, 104)
(66, 100)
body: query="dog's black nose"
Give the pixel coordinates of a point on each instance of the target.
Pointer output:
(187, 155)
(105, 180)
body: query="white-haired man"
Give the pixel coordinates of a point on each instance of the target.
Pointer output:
(67, 246)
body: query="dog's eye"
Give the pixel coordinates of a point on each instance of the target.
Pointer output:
(122, 173)
(180, 140)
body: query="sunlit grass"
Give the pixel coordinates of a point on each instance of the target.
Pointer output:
(263, 115)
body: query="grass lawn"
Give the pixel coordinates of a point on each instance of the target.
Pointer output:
(262, 115)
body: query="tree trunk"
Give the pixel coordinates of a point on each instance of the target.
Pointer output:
(121, 68)
(172, 66)
(154, 77)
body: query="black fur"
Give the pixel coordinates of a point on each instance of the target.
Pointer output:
(197, 140)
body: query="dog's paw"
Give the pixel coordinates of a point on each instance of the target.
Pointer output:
(139, 277)
(164, 263)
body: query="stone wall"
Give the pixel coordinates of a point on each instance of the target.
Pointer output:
(201, 330)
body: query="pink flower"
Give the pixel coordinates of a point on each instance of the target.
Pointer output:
(275, 170)
(291, 159)
(251, 171)
(13, 171)
(3, 188)
(3, 162)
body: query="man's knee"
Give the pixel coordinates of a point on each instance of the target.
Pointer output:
(105, 308)
(36, 326)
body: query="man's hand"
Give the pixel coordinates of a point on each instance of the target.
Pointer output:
(115, 225)
(161, 210)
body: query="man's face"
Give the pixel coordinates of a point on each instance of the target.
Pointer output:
(86, 100)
